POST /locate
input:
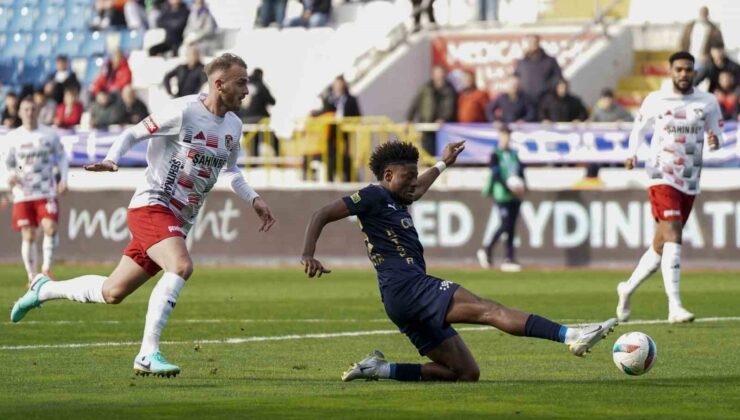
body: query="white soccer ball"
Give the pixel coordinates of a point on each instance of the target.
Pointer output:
(515, 184)
(634, 353)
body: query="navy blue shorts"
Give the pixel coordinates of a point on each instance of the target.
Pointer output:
(419, 308)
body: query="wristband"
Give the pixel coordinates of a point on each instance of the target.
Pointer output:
(441, 166)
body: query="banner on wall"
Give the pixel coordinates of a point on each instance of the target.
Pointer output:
(568, 228)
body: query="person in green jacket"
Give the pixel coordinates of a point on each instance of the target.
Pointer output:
(506, 185)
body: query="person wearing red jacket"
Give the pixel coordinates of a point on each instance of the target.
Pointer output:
(472, 102)
(114, 75)
(69, 112)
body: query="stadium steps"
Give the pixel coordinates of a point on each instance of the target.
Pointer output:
(648, 74)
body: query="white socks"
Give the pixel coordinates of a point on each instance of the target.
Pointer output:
(649, 263)
(85, 289)
(48, 246)
(671, 268)
(161, 303)
(29, 255)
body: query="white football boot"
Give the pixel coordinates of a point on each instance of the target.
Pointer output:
(679, 315)
(483, 259)
(589, 335)
(368, 368)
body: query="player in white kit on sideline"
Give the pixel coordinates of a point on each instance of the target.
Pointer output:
(31, 153)
(681, 118)
(191, 141)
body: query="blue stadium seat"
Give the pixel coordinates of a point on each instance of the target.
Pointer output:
(76, 17)
(69, 44)
(5, 14)
(94, 44)
(23, 19)
(8, 70)
(51, 19)
(131, 40)
(93, 70)
(34, 72)
(43, 44)
(17, 45)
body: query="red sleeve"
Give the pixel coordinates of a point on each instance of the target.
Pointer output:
(59, 114)
(123, 78)
(98, 84)
(76, 115)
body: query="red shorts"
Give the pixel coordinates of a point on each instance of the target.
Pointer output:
(670, 204)
(30, 213)
(150, 225)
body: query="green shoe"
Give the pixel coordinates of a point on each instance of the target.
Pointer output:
(30, 300)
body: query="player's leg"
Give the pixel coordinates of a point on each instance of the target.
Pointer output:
(125, 278)
(451, 361)
(172, 255)
(468, 308)
(671, 233)
(487, 254)
(29, 253)
(48, 245)
(510, 263)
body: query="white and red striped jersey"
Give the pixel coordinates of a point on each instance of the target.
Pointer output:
(680, 124)
(188, 147)
(30, 157)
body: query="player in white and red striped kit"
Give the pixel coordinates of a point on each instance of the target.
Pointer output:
(32, 152)
(681, 119)
(191, 141)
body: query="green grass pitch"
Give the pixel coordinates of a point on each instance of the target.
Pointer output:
(257, 375)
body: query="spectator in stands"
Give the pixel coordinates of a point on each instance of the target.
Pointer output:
(45, 105)
(512, 106)
(107, 15)
(272, 11)
(728, 94)
(10, 112)
(255, 106)
(471, 102)
(436, 101)
(173, 20)
(718, 63)
(200, 31)
(63, 78)
(608, 110)
(538, 72)
(69, 111)
(135, 14)
(561, 106)
(338, 100)
(698, 36)
(114, 75)
(419, 7)
(189, 77)
(133, 107)
(315, 14)
(107, 110)
(153, 9)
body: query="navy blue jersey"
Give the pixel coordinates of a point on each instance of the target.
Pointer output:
(392, 242)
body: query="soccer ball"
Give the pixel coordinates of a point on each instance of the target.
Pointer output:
(515, 184)
(634, 353)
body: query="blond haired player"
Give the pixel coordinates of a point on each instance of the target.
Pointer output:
(191, 141)
(681, 119)
(32, 152)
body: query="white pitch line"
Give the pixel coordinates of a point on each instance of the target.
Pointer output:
(240, 340)
(209, 321)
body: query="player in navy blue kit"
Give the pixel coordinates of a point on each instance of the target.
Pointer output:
(423, 307)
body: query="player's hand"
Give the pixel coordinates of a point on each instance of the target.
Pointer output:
(104, 166)
(313, 267)
(61, 187)
(712, 140)
(452, 150)
(12, 181)
(630, 163)
(264, 213)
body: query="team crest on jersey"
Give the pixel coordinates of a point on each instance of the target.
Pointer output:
(407, 223)
(150, 125)
(699, 114)
(230, 142)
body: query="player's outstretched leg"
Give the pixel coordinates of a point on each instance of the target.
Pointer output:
(649, 263)
(468, 308)
(172, 255)
(126, 278)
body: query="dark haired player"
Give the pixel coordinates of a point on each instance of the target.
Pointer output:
(422, 306)
(191, 141)
(682, 117)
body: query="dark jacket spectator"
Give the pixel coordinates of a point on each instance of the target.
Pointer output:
(107, 110)
(173, 20)
(561, 106)
(63, 78)
(107, 16)
(436, 100)
(339, 101)
(316, 13)
(471, 102)
(538, 72)
(200, 29)
(133, 107)
(699, 35)
(10, 117)
(512, 106)
(608, 110)
(728, 96)
(45, 105)
(718, 63)
(272, 11)
(114, 75)
(69, 112)
(258, 100)
(190, 77)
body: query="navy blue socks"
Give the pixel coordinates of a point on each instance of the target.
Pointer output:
(407, 372)
(540, 327)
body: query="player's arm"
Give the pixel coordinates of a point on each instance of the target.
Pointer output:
(62, 164)
(240, 187)
(10, 165)
(329, 213)
(640, 127)
(449, 156)
(714, 135)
